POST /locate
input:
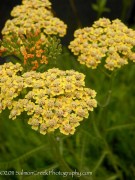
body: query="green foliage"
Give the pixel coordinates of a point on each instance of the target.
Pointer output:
(125, 5)
(100, 7)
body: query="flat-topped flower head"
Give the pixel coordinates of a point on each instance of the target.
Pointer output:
(37, 3)
(54, 99)
(33, 14)
(112, 42)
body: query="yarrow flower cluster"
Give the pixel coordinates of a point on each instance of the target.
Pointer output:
(112, 42)
(53, 99)
(33, 14)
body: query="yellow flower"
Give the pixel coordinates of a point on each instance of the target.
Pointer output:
(82, 113)
(51, 102)
(43, 128)
(74, 119)
(105, 40)
(67, 129)
(34, 14)
(35, 121)
(52, 124)
(91, 104)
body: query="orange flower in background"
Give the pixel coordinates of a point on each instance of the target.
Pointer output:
(35, 63)
(31, 50)
(2, 50)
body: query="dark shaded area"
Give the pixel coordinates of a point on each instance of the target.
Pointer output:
(5, 8)
(83, 14)
(131, 19)
(75, 13)
(2, 60)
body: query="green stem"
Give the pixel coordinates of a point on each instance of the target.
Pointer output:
(72, 4)
(108, 150)
(125, 5)
(98, 132)
(103, 71)
(57, 155)
(107, 100)
(82, 152)
(119, 127)
(102, 105)
(100, 161)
